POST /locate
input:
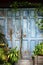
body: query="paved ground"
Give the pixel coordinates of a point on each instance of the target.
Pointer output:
(25, 62)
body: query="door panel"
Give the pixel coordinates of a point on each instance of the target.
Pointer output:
(23, 19)
(30, 33)
(32, 45)
(24, 28)
(32, 28)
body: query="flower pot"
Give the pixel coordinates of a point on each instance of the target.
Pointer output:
(14, 63)
(38, 60)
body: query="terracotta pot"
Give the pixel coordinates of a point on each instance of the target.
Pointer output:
(38, 60)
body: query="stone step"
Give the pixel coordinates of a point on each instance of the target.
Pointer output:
(25, 62)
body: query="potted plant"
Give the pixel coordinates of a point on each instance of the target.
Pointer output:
(3, 49)
(38, 53)
(13, 56)
(38, 49)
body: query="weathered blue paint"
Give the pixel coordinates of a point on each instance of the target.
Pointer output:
(22, 18)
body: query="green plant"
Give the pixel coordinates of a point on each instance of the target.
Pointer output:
(3, 49)
(7, 63)
(3, 41)
(13, 55)
(3, 56)
(40, 24)
(17, 4)
(38, 49)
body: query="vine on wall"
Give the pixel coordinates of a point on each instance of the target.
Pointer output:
(26, 4)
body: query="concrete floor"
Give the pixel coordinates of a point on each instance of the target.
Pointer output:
(25, 62)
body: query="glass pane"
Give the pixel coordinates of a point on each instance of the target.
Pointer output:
(17, 44)
(25, 52)
(24, 28)
(29, 29)
(9, 44)
(17, 13)
(17, 25)
(9, 27)
(25, 14)
(24, 45)
(2, 26)
(32, 27)
(9, 13)
(32, 45)
(13, 14)
(31, 14)
(17, 29)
